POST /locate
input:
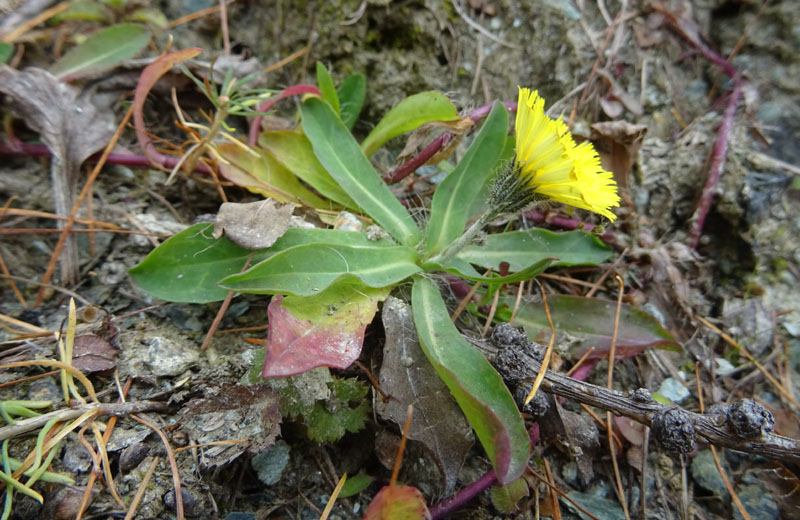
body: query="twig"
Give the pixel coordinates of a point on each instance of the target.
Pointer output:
(609, 385)
(722, 474)
(141, 490)
(176, 477)
(66, 414)
(706, 426)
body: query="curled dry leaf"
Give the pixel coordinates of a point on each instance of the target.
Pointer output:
(72, 123)
(409, 378)
(253, 225)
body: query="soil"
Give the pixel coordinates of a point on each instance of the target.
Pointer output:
(591, 67)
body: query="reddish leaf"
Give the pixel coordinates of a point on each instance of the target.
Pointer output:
(591, 321)
(150, 75)
(322, 330)
(397, 503)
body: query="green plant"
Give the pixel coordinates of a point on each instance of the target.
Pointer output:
(327, 283)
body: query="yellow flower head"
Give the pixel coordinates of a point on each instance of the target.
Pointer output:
(554, 166)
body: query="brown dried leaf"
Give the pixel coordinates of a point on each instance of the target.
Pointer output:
(70, 124)
(618, 144)
(253, 225)
(232, 412)
(92, 354)
(409, 378)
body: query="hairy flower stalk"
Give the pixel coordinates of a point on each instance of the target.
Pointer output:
(548, 165)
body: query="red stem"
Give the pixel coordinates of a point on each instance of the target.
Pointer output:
(436, 145)
(20, 149)
(255, 125)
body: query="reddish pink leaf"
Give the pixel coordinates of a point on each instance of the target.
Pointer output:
(397, 503)
(307, 336)
(150, 75)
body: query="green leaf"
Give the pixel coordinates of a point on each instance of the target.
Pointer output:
(325, 82)
(352, 93)
(150, 16)
(411, 113)
(294, 151)
(102, 51)
(346, 411)
(187, 267)
(355, 485)
(308, 269)
(591, 320)
(259, 172)
(6, 51)
(339, 153)
(522, 248)
(477, 387)
(505, 498)
(455, 195)
(83, 10)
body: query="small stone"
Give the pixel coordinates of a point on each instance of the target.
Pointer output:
(132, 456)
(674, 430)
(270, 464)
(749, 419)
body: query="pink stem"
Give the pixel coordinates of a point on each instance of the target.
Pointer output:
(20, 149)
(568, 223)
(457, 501)
(255, 125)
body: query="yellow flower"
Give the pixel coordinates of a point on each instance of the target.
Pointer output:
(554, 166)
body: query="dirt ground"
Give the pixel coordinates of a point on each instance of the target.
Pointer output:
(630, 63)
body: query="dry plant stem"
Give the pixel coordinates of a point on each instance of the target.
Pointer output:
(66, 414)
(398, 460)
(332, 500)
(223, 21)
(468, 298)
(546, 360)
(141, 489)
(722, 474)
(464, 496)
(112, 422)
(609, 385)
(33, 22)
(85, 191)
(768, 445)
(550, 486)
(747, 354)
(194, 16)
(543, 479)
(436, 145)
(176, 477)
(222, 309)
